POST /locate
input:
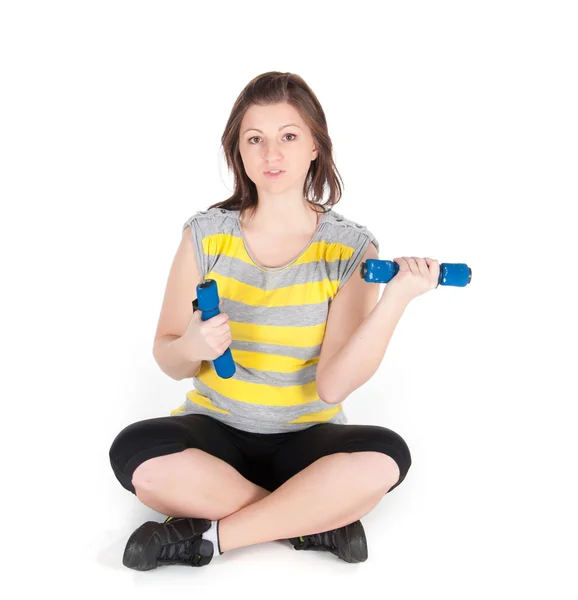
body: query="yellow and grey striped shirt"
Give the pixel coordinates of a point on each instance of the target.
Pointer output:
(277, 318)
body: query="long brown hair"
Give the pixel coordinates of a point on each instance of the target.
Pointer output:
(271, 88)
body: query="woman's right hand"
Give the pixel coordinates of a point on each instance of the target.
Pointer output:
(207, 340)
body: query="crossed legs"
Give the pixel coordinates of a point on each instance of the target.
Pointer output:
(333, 491)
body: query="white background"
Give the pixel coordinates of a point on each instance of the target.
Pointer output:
(455, 130)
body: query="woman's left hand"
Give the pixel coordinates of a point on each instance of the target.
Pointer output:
(415, 277)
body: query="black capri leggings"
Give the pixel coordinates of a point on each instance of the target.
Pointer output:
(266, 459)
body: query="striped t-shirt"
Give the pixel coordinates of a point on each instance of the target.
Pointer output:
(277, 318)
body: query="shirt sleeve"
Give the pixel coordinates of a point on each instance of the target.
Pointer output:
(355, 239)
(198, 232)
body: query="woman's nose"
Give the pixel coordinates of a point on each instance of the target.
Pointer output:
(271, 151)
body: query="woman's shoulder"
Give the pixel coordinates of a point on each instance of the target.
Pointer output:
(339, 220)
(348, 228)
(212, 218)
(212, 213)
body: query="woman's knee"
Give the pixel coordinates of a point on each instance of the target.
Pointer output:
(403, 454)
(398, 450)
(150, 474)
(395, 459)
(380, 470)
(200, 466)
(139, 442)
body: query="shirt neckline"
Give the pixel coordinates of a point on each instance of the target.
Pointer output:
(322, 219)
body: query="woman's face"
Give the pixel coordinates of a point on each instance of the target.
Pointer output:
(276, 137)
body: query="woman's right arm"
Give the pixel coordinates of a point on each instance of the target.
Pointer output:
(170, 350)
(171, 358)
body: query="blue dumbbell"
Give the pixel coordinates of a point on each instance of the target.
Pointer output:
(208, 303)
(381, 271)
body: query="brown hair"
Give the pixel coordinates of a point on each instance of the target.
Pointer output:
(271, 88)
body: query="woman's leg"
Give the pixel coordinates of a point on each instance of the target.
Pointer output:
(323, 477)
(194, 483)
(186, 465)
(334, 491)
(329, 476)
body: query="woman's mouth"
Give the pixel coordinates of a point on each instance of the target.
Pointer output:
(273, 175)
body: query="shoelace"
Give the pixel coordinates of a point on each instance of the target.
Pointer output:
(182, 552)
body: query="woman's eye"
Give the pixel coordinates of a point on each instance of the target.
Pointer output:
(258, 138)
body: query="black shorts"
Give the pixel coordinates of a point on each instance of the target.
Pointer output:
(266, 459)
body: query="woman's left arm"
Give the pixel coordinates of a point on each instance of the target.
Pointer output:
(359, 327)
(344, 367)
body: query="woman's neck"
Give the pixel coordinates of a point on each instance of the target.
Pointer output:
(281, 220)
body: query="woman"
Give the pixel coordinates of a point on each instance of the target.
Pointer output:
(267, 454)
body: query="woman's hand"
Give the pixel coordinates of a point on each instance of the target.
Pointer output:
(207, 340)
(415, 277)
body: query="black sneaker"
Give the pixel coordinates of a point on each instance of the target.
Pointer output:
(347, 543)
(177, 541)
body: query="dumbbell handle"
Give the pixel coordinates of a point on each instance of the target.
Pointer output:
(381, 271)
(208, 303)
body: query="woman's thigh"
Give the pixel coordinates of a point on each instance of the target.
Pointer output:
(150, 438)
(308, 445)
